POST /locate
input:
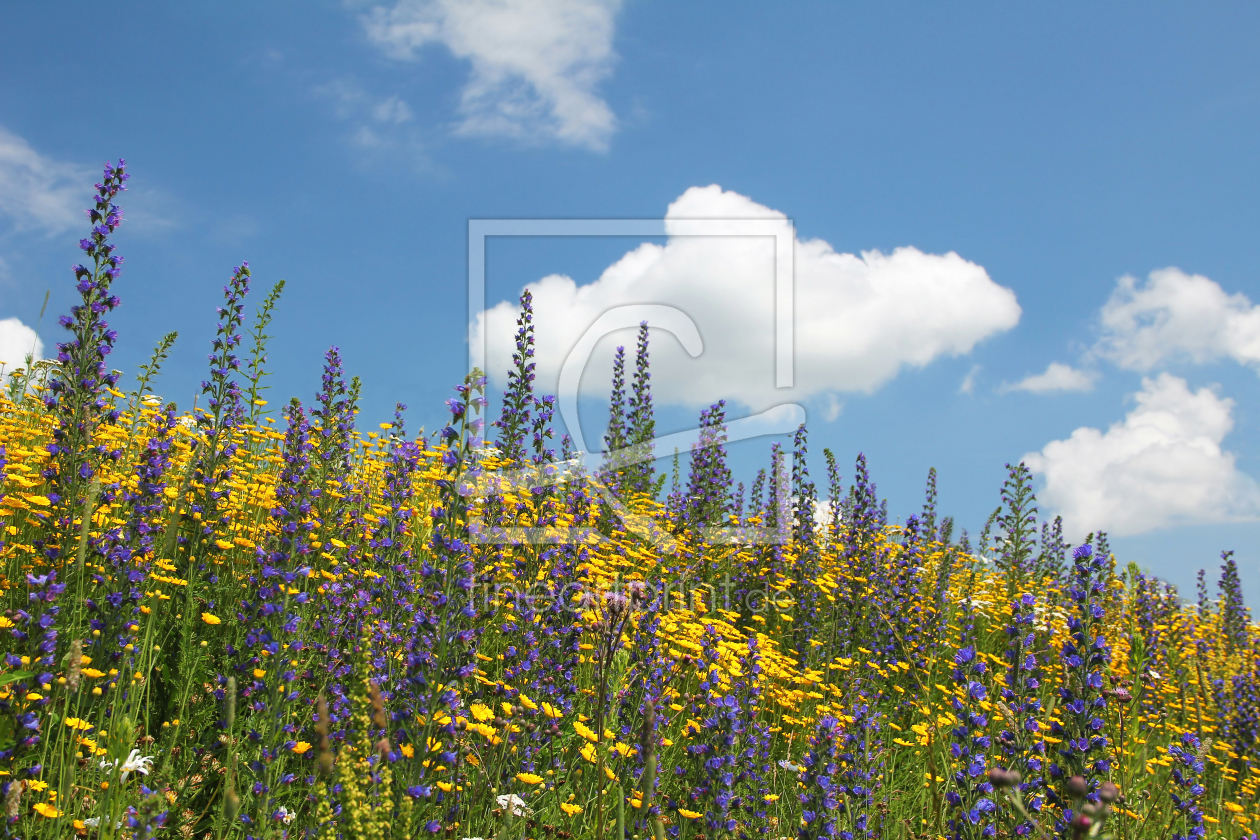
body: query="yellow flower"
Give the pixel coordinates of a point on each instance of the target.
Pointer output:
(527, 703)
(570, 809)
(37, 785)
(45, 809)
(259, 673)
(223, 544)
(5, 623)
(481, 712)
(588, 752)
(301, 747)
(585, 731)
(444, 786)
(76, 723)
(211, 618)
(529, 778)
(34, 696)
(551, 711)
(407, 750)
(691, 815)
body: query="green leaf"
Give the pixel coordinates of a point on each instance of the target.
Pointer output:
(15, 677)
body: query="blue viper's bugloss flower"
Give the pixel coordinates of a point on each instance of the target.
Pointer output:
(1187, 769)
(1084, 655)
(1021, 743)
(708, 499)
(518, 398)
(971, 793)
(821, 798)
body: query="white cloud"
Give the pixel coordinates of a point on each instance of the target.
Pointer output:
(379, 125)
(536, 64)
(859, 319)
(1161, 466)
(833, 408)
(1058, 377)
(392, 110)
(38, 193)
(16, 341)
(968, 384)
(1175, 316)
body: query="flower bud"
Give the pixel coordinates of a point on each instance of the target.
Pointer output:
(999, 778)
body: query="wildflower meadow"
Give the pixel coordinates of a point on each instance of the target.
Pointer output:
(258, 620)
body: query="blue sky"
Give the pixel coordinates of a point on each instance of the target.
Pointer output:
(1054, 148)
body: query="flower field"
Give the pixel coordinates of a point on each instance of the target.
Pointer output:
(238, 623)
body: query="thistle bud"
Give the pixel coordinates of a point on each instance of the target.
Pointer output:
(1003, 778)
(1076, 787)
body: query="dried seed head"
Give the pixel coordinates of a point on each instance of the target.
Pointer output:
(378, 704)
(321, 718)
(647, 741)
(74, 668)
(13, 800)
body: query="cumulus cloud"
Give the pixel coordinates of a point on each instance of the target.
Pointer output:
(859, 319)
(38, 193)
(536, 64)
(1057, 377)
(16, 341)
(1175, 316)
(1161, 466)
